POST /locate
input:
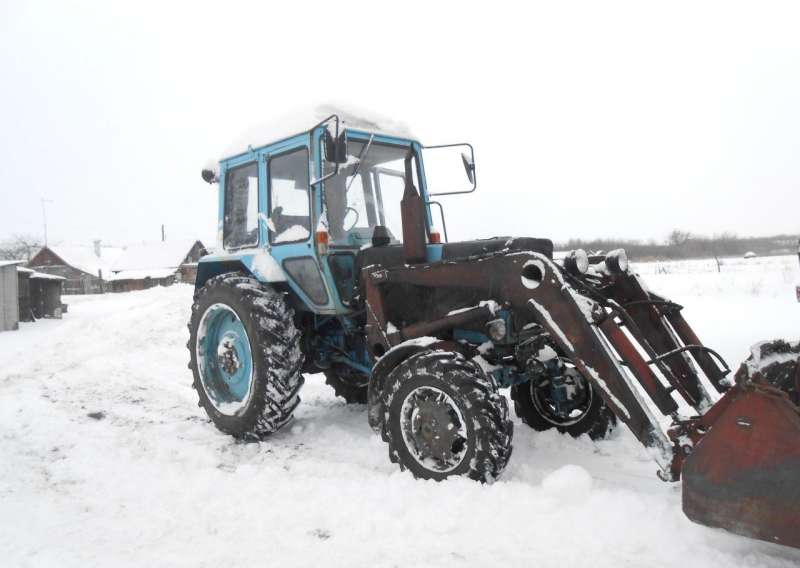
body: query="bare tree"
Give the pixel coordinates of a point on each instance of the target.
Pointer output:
(677, 237)
(19, 247)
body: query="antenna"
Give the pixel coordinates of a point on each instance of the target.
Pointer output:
(44, 218)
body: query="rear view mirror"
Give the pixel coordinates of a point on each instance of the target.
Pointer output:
(469, 167)
(335, 147)
(443, 169)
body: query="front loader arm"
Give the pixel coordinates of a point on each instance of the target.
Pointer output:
(529, 282)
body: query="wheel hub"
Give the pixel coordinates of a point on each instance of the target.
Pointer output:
(228, 357)
(563, 398)
(435, 432)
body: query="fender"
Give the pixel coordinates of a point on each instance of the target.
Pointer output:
(381, 370)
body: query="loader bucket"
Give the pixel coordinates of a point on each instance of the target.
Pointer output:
(744, 474)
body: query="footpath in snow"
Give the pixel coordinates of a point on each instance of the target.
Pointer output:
(106, 460)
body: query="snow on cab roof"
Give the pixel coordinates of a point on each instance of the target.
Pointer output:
(302, 120)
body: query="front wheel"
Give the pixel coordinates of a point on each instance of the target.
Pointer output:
(444, 417)
(566, 402)
(245, 356)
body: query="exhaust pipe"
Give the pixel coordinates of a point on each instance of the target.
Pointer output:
(412, 213)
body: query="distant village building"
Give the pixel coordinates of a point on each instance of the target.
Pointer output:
(84, 268)
(156, 264)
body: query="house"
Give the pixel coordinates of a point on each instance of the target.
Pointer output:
(156, 264)
(9, 295)
(84, 268)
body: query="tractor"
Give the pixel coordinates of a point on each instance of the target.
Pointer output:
(330, 261)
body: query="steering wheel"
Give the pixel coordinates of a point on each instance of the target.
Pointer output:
(355, 221)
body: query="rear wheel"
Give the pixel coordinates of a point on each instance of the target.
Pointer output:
(572, 407)
(245, 356)
(444, 417)
(348, 383)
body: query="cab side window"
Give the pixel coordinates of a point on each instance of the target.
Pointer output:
(240, 224)
(289, 202)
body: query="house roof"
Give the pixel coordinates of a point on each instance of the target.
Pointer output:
(154, 260)
(83, 257)
(9, 262)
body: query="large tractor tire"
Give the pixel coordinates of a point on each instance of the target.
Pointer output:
(444, 418)
(588, 414)
(348, 384)
(776, 363)
(245, 356)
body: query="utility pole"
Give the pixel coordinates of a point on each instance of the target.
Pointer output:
(44, 218)
(163, 234)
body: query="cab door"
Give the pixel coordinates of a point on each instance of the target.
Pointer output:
(288, 228)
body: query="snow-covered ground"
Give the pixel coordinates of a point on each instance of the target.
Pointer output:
(148, 481)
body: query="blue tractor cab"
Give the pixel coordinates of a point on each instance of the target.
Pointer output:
(298, 212)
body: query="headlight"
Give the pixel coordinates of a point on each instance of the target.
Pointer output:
(617, 261)
(496, 329)
(577, 262)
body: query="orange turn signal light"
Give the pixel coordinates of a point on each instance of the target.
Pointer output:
(322, 240)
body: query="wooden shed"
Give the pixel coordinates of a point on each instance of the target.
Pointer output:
(39, 295)
(9, 295)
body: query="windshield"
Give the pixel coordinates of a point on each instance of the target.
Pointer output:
(367, 193)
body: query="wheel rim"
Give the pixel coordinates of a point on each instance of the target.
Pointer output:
(577, 408)
(434, 430)
(225, 359)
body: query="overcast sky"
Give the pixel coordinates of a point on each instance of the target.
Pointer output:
(596, 119)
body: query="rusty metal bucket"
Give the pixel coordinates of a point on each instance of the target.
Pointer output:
(743, 475)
